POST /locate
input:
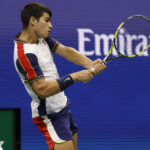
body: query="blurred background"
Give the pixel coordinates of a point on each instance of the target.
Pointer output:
(112, 111)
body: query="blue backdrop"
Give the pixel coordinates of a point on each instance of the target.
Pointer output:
(112, 111)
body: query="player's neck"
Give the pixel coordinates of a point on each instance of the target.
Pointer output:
(28, 36)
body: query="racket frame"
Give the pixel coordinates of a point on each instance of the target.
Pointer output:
(108, 58)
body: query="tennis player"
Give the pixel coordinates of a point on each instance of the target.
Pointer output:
(34, 63)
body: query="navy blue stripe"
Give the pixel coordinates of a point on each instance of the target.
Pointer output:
(21, 70)
(52, 43)
(35, 65)
(28, 81)
(34, 62)
(42, 107)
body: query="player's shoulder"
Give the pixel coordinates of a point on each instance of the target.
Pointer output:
(24, 47)
(51, 39)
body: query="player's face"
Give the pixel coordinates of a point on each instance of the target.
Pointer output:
(43, 26)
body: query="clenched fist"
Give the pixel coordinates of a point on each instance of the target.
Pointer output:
(83, 76)
(98, 67)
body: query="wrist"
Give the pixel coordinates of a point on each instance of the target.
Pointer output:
(65, 82)
(89, 65)
(74, 76)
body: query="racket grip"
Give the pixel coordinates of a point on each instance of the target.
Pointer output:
(104, 60)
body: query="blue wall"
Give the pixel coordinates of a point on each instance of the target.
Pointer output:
(112, 111)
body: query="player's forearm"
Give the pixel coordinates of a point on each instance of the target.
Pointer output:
(46, 88)
(74, 56)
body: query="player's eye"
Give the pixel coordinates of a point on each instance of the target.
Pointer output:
(47, 20)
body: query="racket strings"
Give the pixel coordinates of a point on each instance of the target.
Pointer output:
(133, 37)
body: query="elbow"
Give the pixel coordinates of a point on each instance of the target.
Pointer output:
(42, 96)
(43, 89)
(40, 93)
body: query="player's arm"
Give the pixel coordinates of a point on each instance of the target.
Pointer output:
(31, 73)
(45, 88)
(69, 53)
(74, 56)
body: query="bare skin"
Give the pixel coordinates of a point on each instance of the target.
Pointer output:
(68, 145)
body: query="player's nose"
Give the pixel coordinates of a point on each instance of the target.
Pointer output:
(50, 25)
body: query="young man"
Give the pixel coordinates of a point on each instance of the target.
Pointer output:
(34, 63)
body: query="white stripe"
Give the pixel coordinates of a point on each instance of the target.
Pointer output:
(51, 130)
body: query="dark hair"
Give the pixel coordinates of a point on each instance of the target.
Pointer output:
(33, 9)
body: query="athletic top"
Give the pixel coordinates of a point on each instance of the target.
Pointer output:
(35, 61)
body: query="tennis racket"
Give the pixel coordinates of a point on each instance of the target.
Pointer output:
(131, 39)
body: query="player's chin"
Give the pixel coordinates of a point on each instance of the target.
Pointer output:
(45, 36)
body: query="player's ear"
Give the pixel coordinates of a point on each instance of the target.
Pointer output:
(32, 21)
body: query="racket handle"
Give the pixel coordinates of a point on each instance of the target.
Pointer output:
(104, 60)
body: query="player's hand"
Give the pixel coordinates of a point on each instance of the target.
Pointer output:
(83, 76)
(97, 61)
(98, 67)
